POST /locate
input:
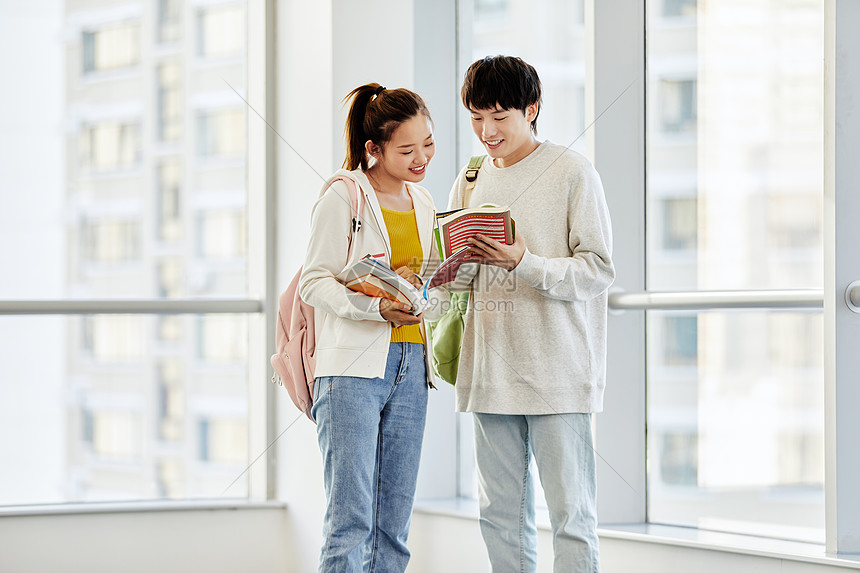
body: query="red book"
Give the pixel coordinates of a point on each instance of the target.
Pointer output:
(457, 227)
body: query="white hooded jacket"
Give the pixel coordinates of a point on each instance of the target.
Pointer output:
(352, 338)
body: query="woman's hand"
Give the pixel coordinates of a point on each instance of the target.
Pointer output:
(397, 313)
(492, 252)
(407, 274)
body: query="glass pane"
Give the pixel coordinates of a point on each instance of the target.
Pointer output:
(122, 172)
(550, 35)
(734, 201)
(735, 424)
(130, 408)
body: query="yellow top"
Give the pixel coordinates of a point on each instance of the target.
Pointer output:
(405, 251)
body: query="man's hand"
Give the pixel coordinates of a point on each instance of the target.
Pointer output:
(397, 313)
(492, 252)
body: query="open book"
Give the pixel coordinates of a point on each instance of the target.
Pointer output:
(373, 278)
(457, 227)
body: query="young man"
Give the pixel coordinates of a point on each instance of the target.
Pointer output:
(533, 362)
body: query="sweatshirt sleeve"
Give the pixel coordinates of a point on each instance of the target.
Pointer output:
(589, 271)
(327, 257)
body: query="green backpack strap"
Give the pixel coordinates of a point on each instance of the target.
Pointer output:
(471, 177)
(447, 332)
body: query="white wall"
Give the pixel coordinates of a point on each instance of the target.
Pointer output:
(214, 541)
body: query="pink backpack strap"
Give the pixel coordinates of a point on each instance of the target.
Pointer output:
(356, 201)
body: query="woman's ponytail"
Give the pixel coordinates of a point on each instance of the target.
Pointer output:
(356, 155)
(374, 114)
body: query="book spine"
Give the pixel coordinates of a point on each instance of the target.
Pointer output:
(438, 242)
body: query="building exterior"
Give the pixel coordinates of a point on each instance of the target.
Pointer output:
(155, 406)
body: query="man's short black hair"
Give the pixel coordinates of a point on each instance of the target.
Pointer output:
(506, 81)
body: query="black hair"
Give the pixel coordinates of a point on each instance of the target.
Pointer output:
(504, 81)
(374, 114)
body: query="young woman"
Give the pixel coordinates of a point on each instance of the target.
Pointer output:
(372, 371)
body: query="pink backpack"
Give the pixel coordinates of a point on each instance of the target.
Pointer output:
(295, 340)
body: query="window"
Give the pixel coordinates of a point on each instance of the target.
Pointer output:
(222, 339)
(221, 32)
(169, 101)
(169, 197)
(111, 241)
(221, 133)
(112, 339)
(111, 47)
(110, 146)
(678, 105)
(735, 411)
(169, 20)
(170, 278)
(680, 224)
(221, 440)
(675, 8)
(105, 211)
(220, 235)
(171, 401)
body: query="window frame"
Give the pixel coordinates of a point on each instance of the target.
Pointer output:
(616, 36)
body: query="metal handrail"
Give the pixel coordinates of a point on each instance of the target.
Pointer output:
(711, 300)
(133, 306)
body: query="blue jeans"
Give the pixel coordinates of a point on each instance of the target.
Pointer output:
(370, 432)
(562, 447)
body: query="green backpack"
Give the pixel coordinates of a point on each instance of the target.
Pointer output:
(447, 332)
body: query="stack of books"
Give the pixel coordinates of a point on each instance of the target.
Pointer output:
(373, 278)
(453, 231)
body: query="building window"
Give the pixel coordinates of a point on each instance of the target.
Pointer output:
(679, 459)
(87, 431)
(169, 102)
(171, 401)
(221, 234)
(111, 48)
(490, 8)
(221, 32)
(676, 8)
(795, 222)
(678, 108)
(222, 338)
(169, 328)
(169, 20)
(679, 224)
(113, 338)
(117, 435)
(681, 341)
(169, 203)
(171, 275)
(111, 146)
(222, 440)
(111, 241)
(221, 133)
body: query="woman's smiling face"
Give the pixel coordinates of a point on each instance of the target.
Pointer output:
(405, 156)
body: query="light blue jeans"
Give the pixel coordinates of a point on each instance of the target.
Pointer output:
(562, 447)
(370, 432)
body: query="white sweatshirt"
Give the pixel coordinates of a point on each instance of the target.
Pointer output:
(352, 338)
(535, 337)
